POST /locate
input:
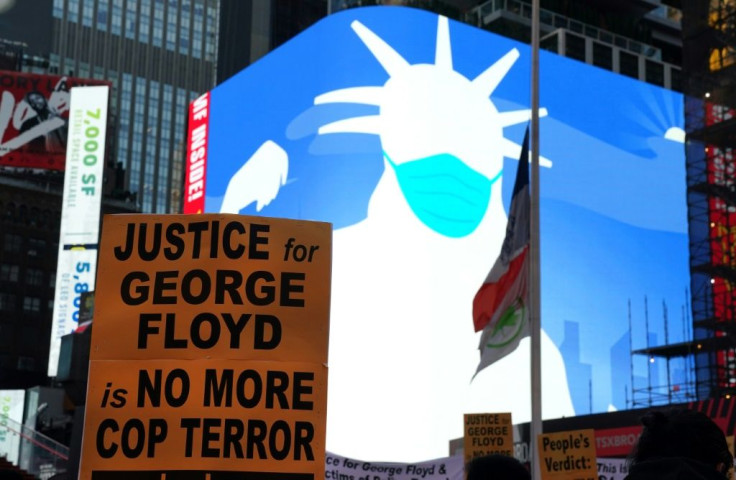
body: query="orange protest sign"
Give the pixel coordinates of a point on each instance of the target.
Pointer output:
(209, 347)
(487, 433)
(223, 286)
(568, 455)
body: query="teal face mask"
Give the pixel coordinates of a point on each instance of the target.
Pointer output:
(445, 194)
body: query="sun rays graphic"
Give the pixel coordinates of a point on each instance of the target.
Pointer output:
(426, 109)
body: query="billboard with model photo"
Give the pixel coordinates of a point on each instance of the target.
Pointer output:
(34, 116)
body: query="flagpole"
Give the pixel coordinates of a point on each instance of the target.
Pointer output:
(534, 251)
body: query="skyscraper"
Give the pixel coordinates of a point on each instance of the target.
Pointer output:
(250, 29)
(159, 55)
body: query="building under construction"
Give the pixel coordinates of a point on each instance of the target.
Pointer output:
(709, 84)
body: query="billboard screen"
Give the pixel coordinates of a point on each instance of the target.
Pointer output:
(34, 118)
(403, 130)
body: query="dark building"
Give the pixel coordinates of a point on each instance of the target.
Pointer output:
(637, 38)
(708, 80)
(159, 55)
(30, 215)
(249, 29)
(709, 60)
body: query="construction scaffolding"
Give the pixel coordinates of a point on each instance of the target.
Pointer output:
(709, 81)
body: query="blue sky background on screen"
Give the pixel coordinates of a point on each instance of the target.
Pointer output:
(613, 224)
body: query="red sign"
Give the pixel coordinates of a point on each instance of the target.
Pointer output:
(34, 113)
(196, 155)
(616, 442)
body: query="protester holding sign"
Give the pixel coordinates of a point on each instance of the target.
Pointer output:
(680, 443)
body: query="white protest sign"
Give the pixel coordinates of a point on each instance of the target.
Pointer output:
(341, 468)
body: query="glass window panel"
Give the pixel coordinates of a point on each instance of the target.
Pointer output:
(628, 64)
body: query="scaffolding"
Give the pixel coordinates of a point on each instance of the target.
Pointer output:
(709, 81)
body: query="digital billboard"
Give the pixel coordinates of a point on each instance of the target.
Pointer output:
(34, 118)
(402, 129)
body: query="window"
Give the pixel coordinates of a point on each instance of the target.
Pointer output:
(36, 247)
(145, 20)
(602, 56)
(58, 11)
(102, 14)
(675, 79)
(721, 58)
(87, 9)
(31, 304)
(7, 302)
(171, 32)
(550, 42)
(628, 64)
(654, 73)
(73, 11)
(130, 15)
(26, 363)
(9, 273)
(6, 335)
(34, 276)
(117, 16)
(12, 243)
(575, 47)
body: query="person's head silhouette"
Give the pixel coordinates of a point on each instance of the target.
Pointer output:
(497, 467)
(679, 443)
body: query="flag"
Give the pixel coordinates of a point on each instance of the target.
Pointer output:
(500, 307)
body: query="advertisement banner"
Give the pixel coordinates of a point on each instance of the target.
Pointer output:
(614, 442)
(209, 348)
(11, 421)
(80, 211)
(196, 166)
(488, 433)
(35, 118)
(567, 455)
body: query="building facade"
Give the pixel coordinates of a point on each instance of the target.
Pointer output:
(249, 29)
(636, 38)
(159, 55)
(709, 60)
(30, 215)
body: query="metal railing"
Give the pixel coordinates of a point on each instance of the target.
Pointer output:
(481, 14)
(29, 450)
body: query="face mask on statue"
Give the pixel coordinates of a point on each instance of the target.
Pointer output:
(444, 193)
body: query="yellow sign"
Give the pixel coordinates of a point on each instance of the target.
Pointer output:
(568, 455)
(488, 433)
(209, 347)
